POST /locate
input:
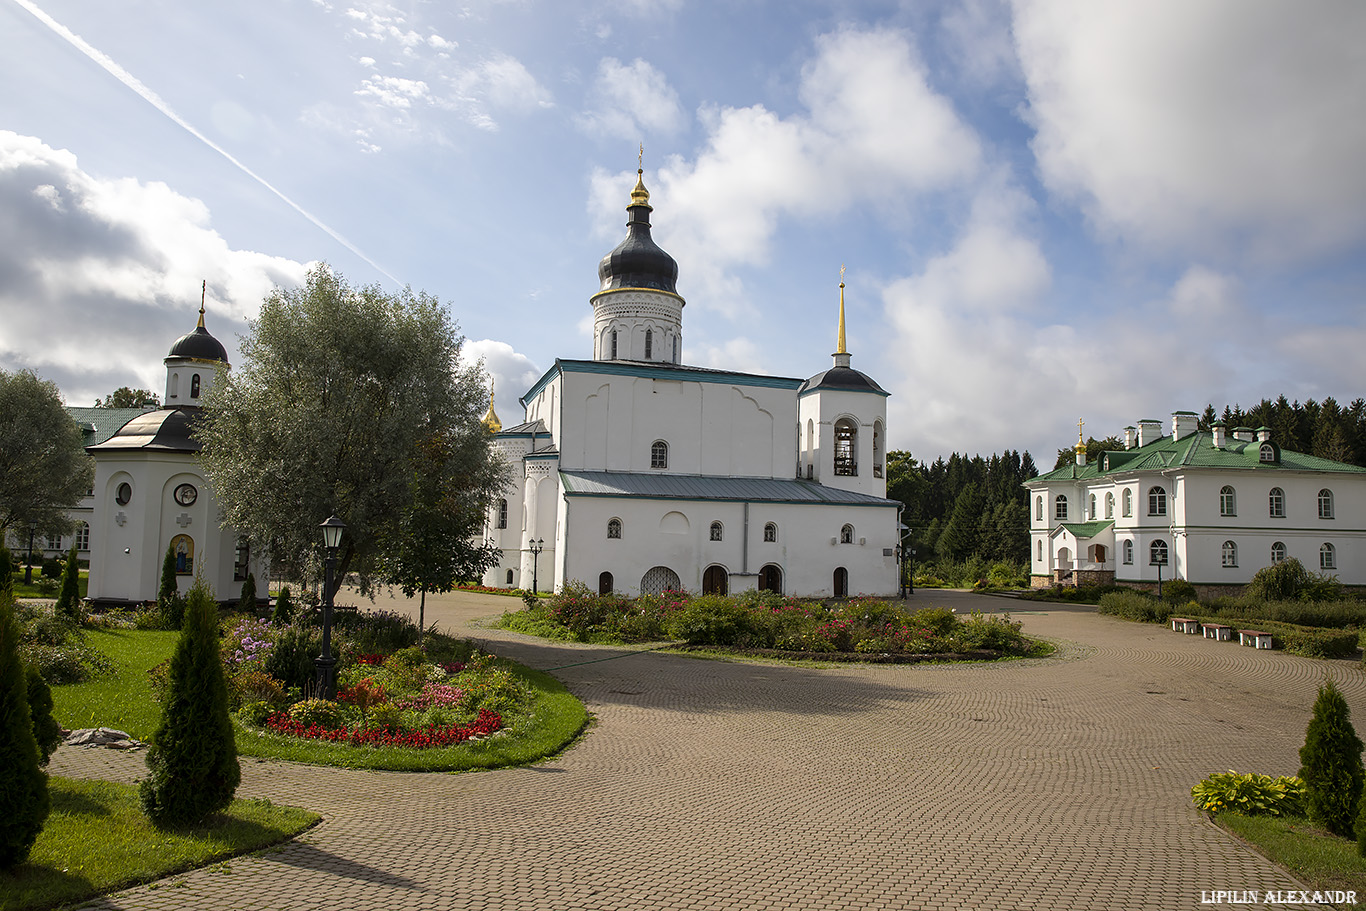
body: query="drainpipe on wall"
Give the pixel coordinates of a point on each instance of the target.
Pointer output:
(744, 543)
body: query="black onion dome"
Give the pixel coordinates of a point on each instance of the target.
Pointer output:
(845, 378)
(200, 346)
(638, 262)
(167, 429)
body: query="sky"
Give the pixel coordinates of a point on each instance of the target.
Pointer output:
(1048, 211)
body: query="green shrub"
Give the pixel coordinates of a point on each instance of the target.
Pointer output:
(69, 600)
(7, 565)
(321, 712)
(169, 600)
(46, 731)
(1331, 763)
(250, 684)
(247, 600)
(1178, 592)
(284, 608)
(1134, 605)
(938, 620)
(52, 568)
(192, 759)
(708, 620)
(1319, 643)
(996, 633)
(24, 803)
(255, 714)
(1250, 795)
(291, 659)
(1290, 581)
(386, 715)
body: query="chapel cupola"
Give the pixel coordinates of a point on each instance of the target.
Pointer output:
(193, 363)
(490, 418)
(637, 312)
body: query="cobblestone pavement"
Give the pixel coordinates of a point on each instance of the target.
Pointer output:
(1059, 783)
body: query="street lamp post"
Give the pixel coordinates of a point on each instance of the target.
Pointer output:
(326, 662)
(535, 546)
(28, 564)
(910, 575)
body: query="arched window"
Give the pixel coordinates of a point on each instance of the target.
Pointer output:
(1128, 502)
(770, 533)
(841, 582)
(194, 386)
(1267, 453)
(1038, 509)
(1038, 550)
(1109, 506)
(846, 448)
(716, 531)
(675, 349)
(877, 449)
(614, 344)
(1060, 507)
(1278, 552)
(1228, 501)
(614, 528)
(1128, 552)
(649, 344)
(659, 454)
(658, 580)
(503, 513)
(1230, 553)
(1276, 503)
(83, 536)
(1328, 558)
(175, 386)
(847, 534)
(1157, 501)
(1325, 504)
(810, 447)
(1157, 553)
(509, 582)
(605, 584)
(241, 561)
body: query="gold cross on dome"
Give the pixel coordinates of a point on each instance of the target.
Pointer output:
(1080, 424)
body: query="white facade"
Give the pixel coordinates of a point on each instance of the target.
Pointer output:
(637, 473)
(150, 494)
(1208, 507)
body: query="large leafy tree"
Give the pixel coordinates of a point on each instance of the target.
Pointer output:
(44, 470)
(125, 397)
(338, 389)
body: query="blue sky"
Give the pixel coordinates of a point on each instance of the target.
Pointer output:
(1048, 210)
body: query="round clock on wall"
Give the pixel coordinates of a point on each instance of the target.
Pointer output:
(186, 494)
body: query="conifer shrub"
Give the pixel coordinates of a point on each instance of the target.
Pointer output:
(247, 600)
(24, 802)
(69, 600)
(1331, 764)
(46, 731)
(170, 603)
(192, 758)
(6, 571)
(284, 607)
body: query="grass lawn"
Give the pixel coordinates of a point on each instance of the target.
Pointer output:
(97, 840)
(125, 702)
(1318, 858)
(33, 591)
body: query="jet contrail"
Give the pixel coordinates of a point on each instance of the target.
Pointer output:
(156, 101)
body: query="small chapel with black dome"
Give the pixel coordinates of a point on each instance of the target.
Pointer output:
(635, 473)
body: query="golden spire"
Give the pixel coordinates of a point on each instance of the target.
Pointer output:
(640, 196)
(490, 419)
(1081, 444)
(840, 348)
(203, 293)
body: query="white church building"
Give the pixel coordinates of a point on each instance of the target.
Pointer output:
(636, 473)
(151, 494)
(1211, 507)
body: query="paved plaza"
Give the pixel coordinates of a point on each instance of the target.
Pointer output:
(1060, 783)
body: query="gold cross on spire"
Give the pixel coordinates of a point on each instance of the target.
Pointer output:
(640, 158)
(840, 348)
(203, 293)
(1081, 444)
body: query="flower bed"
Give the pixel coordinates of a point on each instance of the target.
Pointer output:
(486, 723)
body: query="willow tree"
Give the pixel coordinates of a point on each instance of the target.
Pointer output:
(337, 390)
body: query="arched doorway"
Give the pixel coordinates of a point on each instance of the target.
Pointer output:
(1097, 553)
(605, 584)
(771, 579)
(658, 580)
(715, 580)
(841, 582)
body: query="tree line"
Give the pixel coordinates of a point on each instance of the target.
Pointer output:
(962, 506)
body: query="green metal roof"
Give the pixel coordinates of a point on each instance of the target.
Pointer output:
(1196, 451)
(1088, 529)
(99, 424)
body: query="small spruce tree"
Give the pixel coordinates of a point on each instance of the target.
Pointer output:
(247, 600)
(24, 802)
(169, 600)
(69, 601)
(46, 731)
(1331, 763)
(192, 759)
(284, 607)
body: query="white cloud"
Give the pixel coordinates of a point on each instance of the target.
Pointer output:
(394, 91)
(979, 41)
(739, 354)
(630, 100)
(98, 277)
(872, 131)
(512, 374)
(1221, 126)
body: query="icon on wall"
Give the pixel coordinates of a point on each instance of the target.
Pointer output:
(183, 546)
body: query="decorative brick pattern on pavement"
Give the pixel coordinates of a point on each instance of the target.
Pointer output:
(1061, 783)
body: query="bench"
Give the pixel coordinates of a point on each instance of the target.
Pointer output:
(1254, 638)
(1217, 631)
(1183, 625)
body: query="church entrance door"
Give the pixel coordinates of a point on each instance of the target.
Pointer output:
(771, 579)
(841, 582)
(715, 580)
